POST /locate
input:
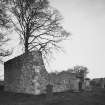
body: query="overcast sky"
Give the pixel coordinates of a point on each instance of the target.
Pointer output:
(85, 20)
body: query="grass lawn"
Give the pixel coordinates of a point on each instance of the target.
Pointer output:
(95, 97)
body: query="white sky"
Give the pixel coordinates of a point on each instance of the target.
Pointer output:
(85, 19)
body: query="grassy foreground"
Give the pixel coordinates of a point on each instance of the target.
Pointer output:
(95, 97)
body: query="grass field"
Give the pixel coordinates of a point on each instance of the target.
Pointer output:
(95, 97)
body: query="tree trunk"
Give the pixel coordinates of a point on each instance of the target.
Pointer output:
(26, 45)
(26, 40)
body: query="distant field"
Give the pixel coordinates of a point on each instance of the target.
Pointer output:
(96, 97)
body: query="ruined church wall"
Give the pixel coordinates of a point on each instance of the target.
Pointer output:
(24, 74)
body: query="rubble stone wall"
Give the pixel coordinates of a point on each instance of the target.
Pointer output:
(26, 74)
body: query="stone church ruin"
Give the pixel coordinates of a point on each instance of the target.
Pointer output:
(26, 74)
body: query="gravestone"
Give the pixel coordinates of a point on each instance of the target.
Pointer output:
(49, 92)
(26, 74)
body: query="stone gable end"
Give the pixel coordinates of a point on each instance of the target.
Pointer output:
(23, 74)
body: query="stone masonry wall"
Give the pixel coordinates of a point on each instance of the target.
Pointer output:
(64, 81)
(26, 74)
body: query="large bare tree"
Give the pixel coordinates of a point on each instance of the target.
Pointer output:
(39, 28)
(37, 24)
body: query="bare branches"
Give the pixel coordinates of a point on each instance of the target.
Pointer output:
(48, 31)
(4, 53)
(37, 23)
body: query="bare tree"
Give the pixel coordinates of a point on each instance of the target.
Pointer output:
(37, 24)
(81, 71)
(4, 27)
